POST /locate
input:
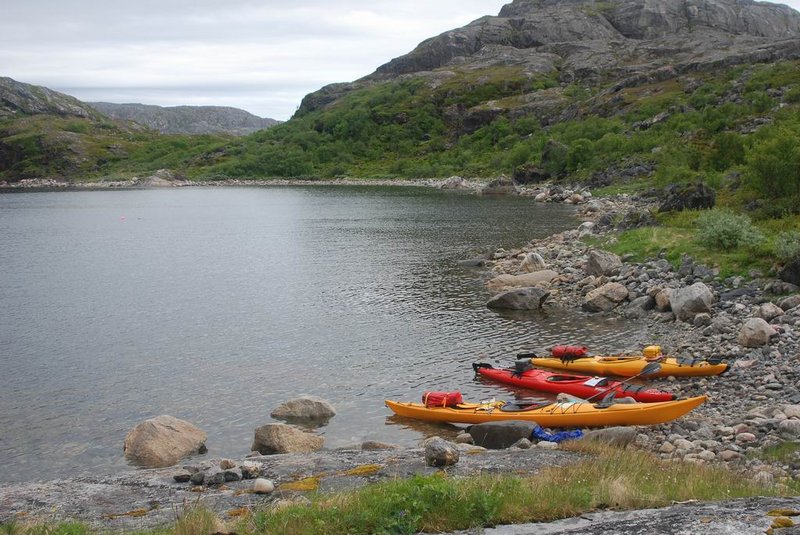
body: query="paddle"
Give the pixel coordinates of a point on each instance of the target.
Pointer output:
(650, 369)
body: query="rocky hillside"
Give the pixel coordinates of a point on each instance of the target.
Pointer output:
(590, 41)
(47, 134)
(17, 98)
(187, 119)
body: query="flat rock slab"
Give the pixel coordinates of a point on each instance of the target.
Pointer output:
(736, 517)
(143, 499)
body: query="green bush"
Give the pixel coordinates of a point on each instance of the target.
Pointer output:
(726, 231)
(787, 245)
(774, 163)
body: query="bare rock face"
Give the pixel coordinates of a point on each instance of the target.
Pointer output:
(305, 408)
(162, 441)
(282, 438)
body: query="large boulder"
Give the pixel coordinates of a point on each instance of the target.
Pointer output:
(755, 333)
(305, 408)
(602, 263)
(531, 298)
(689, 301)
(500, 435)
(500, 186)
(439, 452)
(605, 298)
(536, 278)
(791, 272)
(282, 438)
(688, 197)
(163, 441)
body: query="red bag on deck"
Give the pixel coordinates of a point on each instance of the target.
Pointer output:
(570, 351)
(442, 399)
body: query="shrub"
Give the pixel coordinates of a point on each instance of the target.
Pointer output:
(724, 230)
(775, 164)
(787, 245)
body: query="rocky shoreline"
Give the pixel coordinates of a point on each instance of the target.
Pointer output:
(754, 406)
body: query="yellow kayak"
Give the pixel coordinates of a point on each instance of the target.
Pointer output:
(628, 366)
(551, 414)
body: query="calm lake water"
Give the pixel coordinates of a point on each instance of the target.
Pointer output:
(217, 304)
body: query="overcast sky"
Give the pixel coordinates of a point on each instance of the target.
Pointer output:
(261, 56)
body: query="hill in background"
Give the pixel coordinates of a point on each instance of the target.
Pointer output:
(187, 119)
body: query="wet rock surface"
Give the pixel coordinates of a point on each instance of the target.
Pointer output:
(742, 517)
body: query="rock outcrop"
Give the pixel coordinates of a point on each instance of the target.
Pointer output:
(634, 40)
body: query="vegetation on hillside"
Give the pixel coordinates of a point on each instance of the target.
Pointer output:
(735, 130)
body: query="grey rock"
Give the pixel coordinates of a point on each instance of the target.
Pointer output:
(533, 261)
(768, 311)
(305, 408)
(518, 281)
(687, 302)
(439, 452)
(605, 298)
(263, 486)
(788, 303)
(755, 333)
(789, 429)
(500, 186)
(282, 438)
(163, 441)
(688, 197)
(500, 435)
(618, 436)
(601, 263)
(531, 298)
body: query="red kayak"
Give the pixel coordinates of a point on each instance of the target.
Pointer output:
(577, 385)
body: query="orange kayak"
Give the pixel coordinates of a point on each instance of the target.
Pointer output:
(551, 414)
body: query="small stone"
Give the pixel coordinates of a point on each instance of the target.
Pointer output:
(182, 477)
(226, 464)
(439, 452)
(547, 445)
(250, 469)
(523, 444)
(263, 486)
(198, 478)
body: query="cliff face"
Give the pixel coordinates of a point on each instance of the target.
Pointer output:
(591, 40)
(187, 119)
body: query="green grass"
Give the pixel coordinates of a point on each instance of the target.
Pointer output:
(607, 478)
(784, 452)
(677, 235)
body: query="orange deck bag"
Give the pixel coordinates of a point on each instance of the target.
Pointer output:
(442, 399)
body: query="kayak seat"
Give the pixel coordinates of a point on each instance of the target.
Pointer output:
(522, 407)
